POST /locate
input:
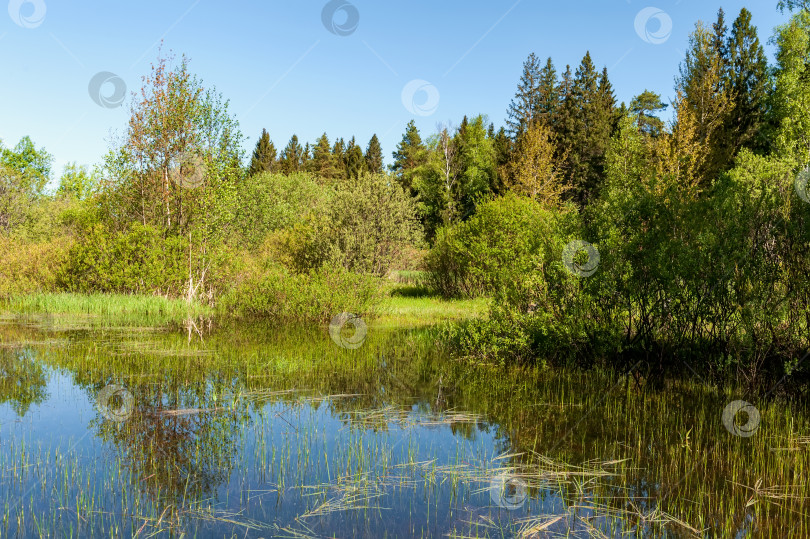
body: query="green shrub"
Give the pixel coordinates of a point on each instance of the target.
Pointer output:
(367, 225)
(139, 260)
(504, 240)
(277, 294)
(27, 267)
(271, 202)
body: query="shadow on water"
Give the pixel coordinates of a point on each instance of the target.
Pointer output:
(262, 431)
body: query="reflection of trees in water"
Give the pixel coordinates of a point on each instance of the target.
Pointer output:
(23, 379)
(179, 444)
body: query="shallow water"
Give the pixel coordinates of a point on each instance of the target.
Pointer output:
(254, 431)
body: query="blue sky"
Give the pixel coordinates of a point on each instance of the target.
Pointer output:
(284, 70)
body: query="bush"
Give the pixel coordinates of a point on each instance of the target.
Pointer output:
(367, 226)
(275, 293)
(139, 260)
(504, 240)
(715, 283)
(27, 267)
(271, 202)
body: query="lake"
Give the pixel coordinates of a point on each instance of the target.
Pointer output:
(259, 431)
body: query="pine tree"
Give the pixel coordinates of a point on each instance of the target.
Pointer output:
(525, 105)
(374, 156)
(409, 155)
(644, 108)
(264, 156)
(292, 158)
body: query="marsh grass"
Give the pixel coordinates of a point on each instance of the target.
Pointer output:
(149, 309)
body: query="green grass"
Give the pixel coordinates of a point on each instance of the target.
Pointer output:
(155, 308)
(404, 306)
(411, 306)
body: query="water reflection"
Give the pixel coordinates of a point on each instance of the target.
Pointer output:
(263, 431)
(23, 380)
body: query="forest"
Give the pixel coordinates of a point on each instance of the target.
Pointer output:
(646, 236)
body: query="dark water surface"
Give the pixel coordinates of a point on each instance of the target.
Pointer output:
(254, 431)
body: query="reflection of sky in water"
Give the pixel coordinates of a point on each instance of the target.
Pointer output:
(284, 457)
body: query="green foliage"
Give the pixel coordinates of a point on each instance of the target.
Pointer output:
(77, 182)
(27, 266)
(475, 162)
(505, 239)
(365, 226)
(24, 172)
(270, 202)
(374, 156)
(279, 295)
(138, 260)
(264, 156)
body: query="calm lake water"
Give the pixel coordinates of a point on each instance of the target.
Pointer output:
(255, 431)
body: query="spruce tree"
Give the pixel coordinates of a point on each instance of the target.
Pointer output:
(548, 98)
(339, 157)
(581, 139)
(264, 156)
(322, 164)
(307, 155)
(503, 154)
(355, 162)
(292, 157)
(374, 156)
(748, 84)
(525, 105)
(409, 155)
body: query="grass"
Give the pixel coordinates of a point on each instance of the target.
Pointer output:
(413, 306)
(405, 305)
(152, 308)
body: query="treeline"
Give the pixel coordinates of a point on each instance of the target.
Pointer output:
(337, 161)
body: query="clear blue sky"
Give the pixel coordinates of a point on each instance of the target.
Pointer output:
(283, 70)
